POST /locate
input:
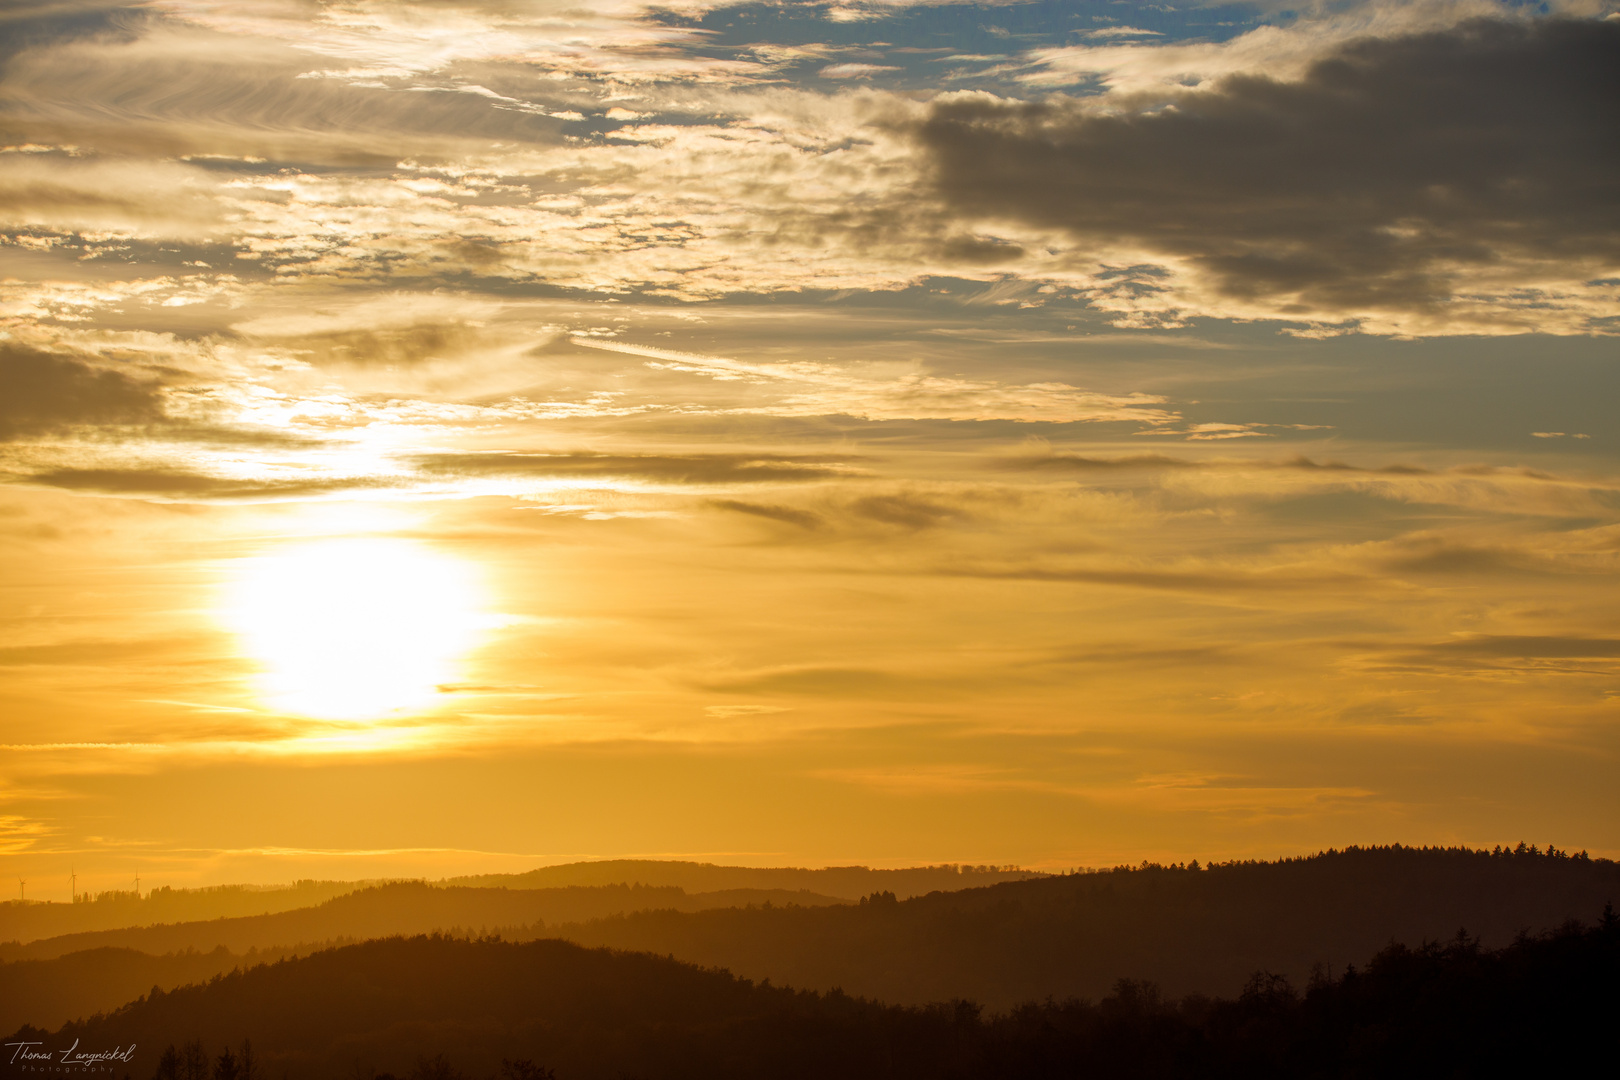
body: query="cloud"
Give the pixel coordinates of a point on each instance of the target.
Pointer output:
(1116, 655)
(822, 389)
(1445, 555)
(1505, 653)
(173, 90)
(804, 519)
(452, 166)
(26, 25)
(1121, 31)
(554, 36)
(829, 681)
(184, 484)
(655, 468)
(906, 511)
(1282, 51)
(1438, 182)
(45, 392)
(1039, 460)
(854, 71)
(1216, 580)
(1036, 455)
(104, 653)
(1530, 647)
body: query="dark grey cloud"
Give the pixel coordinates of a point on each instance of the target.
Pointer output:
(1066, 462)
(906, 511)
(1167, 580)
(1435, 556)
(1063, 461)
(804, 519)
(660, 468)
(1551, 653)
(42, 392)
(1520, 646)
(48, 393)
(387, 347)
(1308, 465)
(1351, 188)
(31, 25)
(188, 484)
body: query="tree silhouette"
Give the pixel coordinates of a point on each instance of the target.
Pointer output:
(193, 1061)
(437, 1067)
(525, 1070)
(168, 1066)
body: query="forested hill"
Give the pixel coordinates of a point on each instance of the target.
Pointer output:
(21, 923)
(115, 909)
(446, 1009)
(848, 882)
(1190, 930)
(409, 907)
(49, 993)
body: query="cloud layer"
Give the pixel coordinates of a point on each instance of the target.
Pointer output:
(912, 422)
(1460, 179)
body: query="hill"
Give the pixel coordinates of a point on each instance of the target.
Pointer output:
(50, 981)
(406, 907)
(21, 923)
(443, 1009)
(1190, 930)
(49, 993)
(845, 882)
(24, 922)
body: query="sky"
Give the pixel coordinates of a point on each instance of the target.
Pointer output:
(449, 437)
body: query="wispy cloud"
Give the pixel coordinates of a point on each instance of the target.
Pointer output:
(820, 389)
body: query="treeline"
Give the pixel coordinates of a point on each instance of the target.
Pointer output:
(1190, 928)
(115, 908)
(48, 993)
(447, 1009)
(409, 907)
(845, 882)
(46, 983)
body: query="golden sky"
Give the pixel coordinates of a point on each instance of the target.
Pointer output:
(443, 437)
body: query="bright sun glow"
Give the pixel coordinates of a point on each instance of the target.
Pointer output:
(355, 629)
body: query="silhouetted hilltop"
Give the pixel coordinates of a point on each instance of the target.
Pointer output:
(49, 993)
(409, 907)
(847, 882)
(444, 1009)
(20, 922)
(1190, 930)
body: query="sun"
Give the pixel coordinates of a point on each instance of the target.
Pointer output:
(354, 629)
